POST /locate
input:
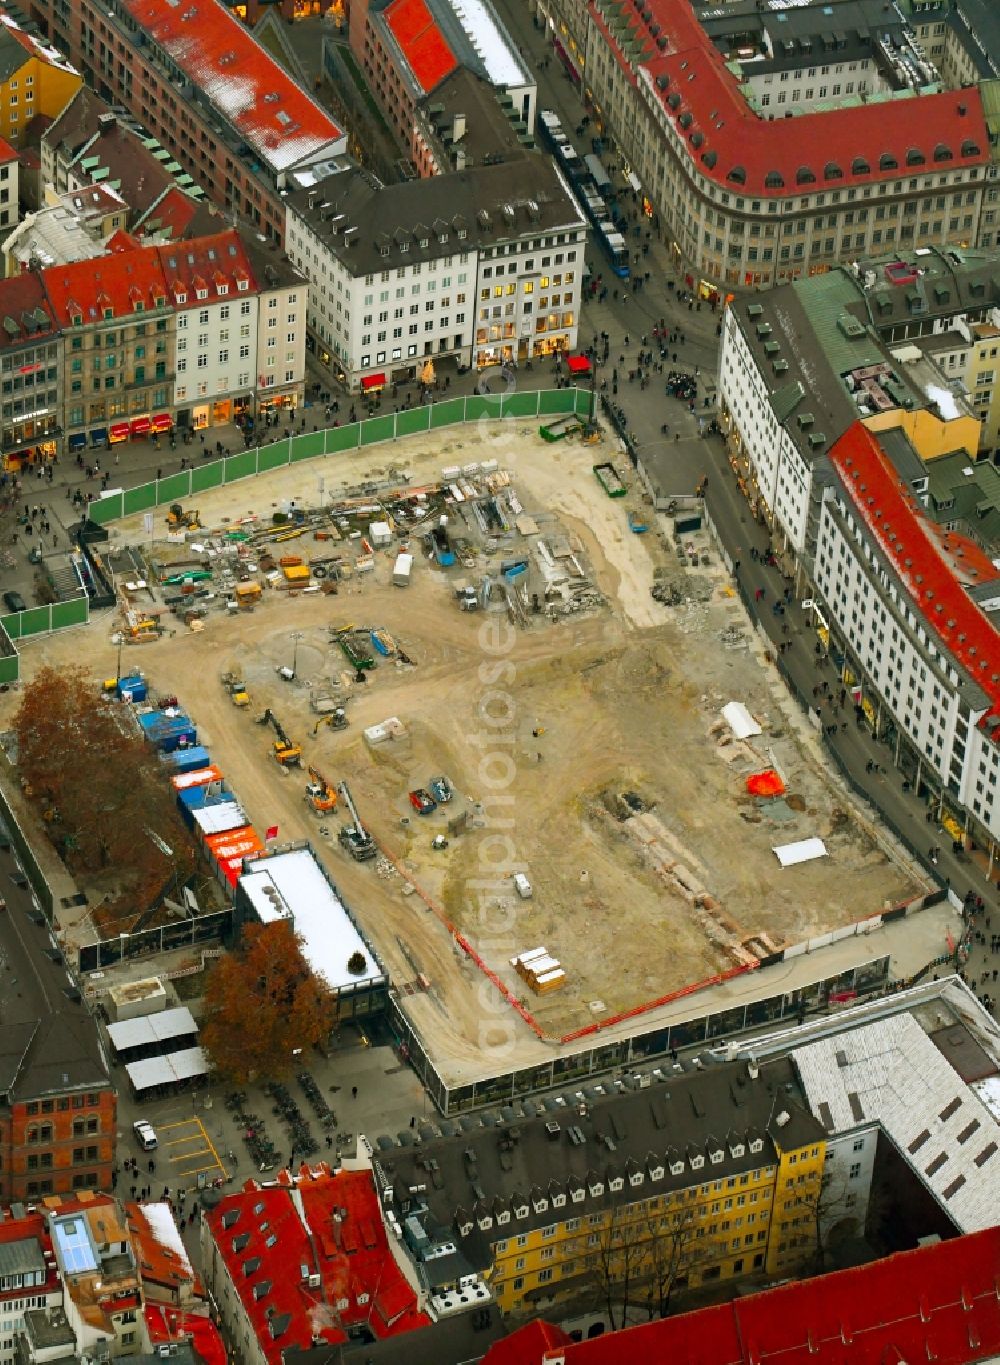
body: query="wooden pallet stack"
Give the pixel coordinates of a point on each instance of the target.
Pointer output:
(540, 970)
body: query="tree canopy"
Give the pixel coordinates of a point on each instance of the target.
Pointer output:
(262, 1004)
(97, 782)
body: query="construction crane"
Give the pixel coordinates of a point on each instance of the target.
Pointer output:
(287, 753)
(354, 837)
(321, 794)
(337, 720)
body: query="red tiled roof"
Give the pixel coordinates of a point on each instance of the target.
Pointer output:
(937, 1303)
(937, 566)
(171, 1324)
(702, 98)
(421, 42)
(115, 281)
(531, 1343)
(7, 153)
(21, 294)
(242, 80)
(349, 1253)
(172, 213)
(212, 264)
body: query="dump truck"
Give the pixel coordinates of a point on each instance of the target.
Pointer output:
(320, 793)
(236, 688)
(285, 750)
(354, 837)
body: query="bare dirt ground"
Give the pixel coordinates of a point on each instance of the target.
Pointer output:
(626, 699)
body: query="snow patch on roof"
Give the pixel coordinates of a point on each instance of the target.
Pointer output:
(164, 1229)
(486, 36)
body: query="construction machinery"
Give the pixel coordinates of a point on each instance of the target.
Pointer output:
(236, 688)
(286, 751)
(320, 793)
(354, 837)
(337, 720)
(178, 518)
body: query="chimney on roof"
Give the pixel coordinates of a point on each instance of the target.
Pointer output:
(106, 121)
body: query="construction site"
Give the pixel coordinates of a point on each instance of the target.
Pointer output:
(496, 693)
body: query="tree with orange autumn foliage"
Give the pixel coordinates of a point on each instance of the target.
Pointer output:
(96, 781)
(263, 1002)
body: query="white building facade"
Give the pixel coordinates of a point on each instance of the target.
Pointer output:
(497, 279)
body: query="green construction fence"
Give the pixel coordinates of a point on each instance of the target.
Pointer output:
(333, 441)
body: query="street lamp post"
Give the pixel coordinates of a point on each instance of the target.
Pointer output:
(296, 637)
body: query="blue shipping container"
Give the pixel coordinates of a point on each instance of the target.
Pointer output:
(187, 760)
(134, 686)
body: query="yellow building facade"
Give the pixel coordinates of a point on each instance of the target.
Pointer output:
(34, 79)
(760, 1222)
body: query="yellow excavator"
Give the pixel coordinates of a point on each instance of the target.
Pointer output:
(337, 720)
(285, 750)
(320, 793)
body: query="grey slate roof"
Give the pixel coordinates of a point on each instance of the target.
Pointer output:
(519, 197)
(657, 1139)
(892, 1074)
(21, 1258)
(49, 1043)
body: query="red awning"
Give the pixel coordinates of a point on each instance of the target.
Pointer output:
(162, 421)
(140, 425)
(372, 381)
(119, 431)
(578, 364)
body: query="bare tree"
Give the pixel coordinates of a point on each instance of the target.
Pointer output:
(651, 1249)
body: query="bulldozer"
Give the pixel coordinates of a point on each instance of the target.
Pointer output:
(177, 518)
(285, 750)
(236, 688)
(320, 793)
(337, 720)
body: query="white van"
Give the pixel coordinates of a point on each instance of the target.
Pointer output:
(145, 1135)
(522, 886)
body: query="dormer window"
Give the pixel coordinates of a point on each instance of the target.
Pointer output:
(717, 1156)
(181, 298)
(757, 1145)
(201, 293)
(578, 1195)
(403, 248)
(697, 1162)
(76, 319)
(465, 1228)
(485, 1222)
(656, 1172)
(540, 1205)
(243, 285)
(635, 1179)
(596, 1190)
(558, 1201)
(383, 250)
(108, 314)
(139, 306)
(462, 234)
(520, 1211)
(503, 1217)
(442, 237)
(616, 1183)
(422, 241)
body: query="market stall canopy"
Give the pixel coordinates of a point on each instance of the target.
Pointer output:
(578, 364)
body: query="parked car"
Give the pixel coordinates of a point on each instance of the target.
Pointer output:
(441, 789)
(422, 801)
(14, 601)
(145, 1135)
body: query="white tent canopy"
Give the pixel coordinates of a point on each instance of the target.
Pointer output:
(739, 720)
(804, 851)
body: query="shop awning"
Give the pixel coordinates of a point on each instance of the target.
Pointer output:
(140, 425)
(119, 431)
(98, 436)
(78, 441)
(162, 421)
(578, 364)
(371, 382)
(633, 180)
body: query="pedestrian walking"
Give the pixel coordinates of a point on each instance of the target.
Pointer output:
(354, 1092)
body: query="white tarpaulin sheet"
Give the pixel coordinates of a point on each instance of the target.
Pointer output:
(739, 720)
(802, 852)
